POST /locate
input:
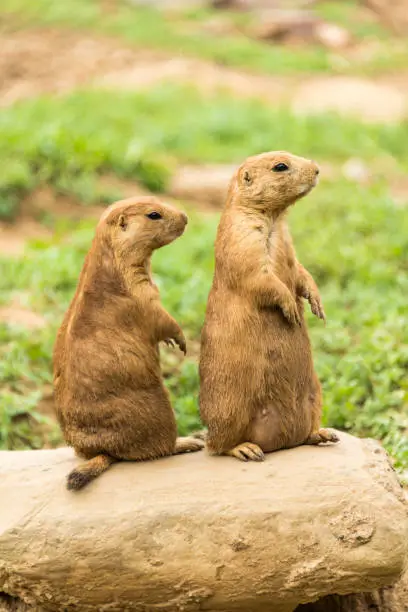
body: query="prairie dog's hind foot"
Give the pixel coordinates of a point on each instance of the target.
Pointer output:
(322, 437)
(247, 451)
(188, 444)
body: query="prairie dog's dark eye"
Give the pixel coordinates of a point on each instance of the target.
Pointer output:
(281, 167)
(154, 216)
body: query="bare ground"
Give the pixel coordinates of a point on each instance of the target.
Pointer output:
(15, 315)
(13, 237)
(57, 61)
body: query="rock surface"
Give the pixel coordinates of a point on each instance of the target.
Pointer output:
(286, 25)
(201, 533)
(373, 102)
(208, 184)
(256, 5)
(299, 27)
(393, 14)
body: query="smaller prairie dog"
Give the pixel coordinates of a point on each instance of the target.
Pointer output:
(259, 391)
(110, 399)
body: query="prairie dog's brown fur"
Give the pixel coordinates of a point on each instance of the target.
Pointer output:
(110, 399)
(259, 391)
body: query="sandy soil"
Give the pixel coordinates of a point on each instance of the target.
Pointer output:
(56, 61)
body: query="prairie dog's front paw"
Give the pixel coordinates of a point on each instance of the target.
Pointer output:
(316, 306)
(291, 313)
(178, 339)
(181, 341)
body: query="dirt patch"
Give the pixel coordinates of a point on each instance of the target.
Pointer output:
(393, 14)
(14, 236)
(44, 201)
(37, 61)
(207, 77)
(354, 96)
(124, 188)
(57, 61)
(205, 184)
(399, 190)
(15, 315)
(40, 204)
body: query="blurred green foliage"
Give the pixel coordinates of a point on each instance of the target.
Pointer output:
(69, 141)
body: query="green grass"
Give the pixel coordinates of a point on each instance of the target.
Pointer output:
(24, 370)
(69, 141)
(182, 35)
(353, 240)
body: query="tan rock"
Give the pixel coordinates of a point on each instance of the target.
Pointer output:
(299, 26)
(191, 533)
(394, 14)
(285, 25)
(206, 184)
(356, 169)
(353, 96)
(14, 315)
(256, 5)
(173, 5)
(332, 35)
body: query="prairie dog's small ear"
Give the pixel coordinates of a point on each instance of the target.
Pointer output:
(246, 177)
(122, 222)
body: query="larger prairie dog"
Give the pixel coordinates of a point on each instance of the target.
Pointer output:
(259, 391)
(110, 399)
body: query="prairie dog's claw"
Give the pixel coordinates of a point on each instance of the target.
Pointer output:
(182, 346)
(247, 451)
(291, 313)
(317, 308)
(322, 437)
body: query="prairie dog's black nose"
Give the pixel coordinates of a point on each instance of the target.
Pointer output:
(317, 171)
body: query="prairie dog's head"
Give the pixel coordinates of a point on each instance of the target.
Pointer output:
(144, 223)
(275, 180)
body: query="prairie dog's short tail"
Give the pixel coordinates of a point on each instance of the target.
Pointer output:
(84, 473)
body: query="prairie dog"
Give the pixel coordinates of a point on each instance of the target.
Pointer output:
(259, 391)
(110, 399)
